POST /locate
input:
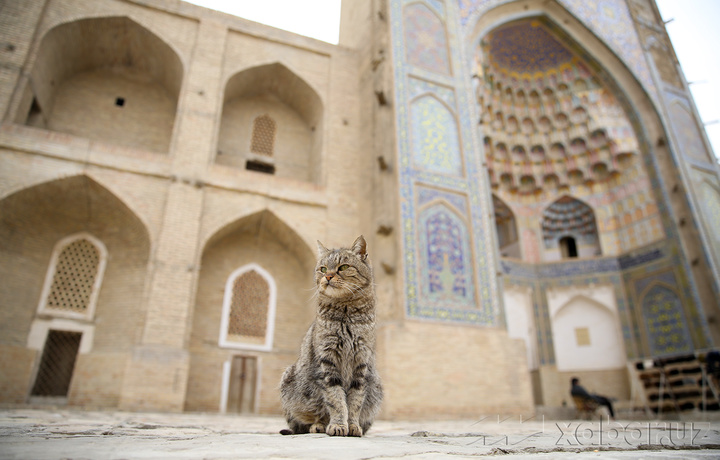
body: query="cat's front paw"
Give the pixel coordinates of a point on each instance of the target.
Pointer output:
(317, 428)
(336, 430)
(354, 430)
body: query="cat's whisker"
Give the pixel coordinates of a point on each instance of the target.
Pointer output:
(313, 296)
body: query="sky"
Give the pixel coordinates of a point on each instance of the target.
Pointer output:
(693, 26)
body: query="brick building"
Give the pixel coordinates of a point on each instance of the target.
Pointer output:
(537, 193)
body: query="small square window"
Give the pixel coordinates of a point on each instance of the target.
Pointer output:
(582, 336)
(120, 101)
(259, 166)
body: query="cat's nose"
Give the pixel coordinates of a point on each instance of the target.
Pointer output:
(329, 276)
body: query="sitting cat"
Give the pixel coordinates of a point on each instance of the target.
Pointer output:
(334, 387)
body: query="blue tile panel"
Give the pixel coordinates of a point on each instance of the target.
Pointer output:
(445, 201)
(522, 49)
(446, 270)
(426, 38)
(635, 278)
(665, 322)
(435, 139)
(609, 20)
(449, 270)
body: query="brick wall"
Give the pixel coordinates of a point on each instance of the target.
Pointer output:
(145, 180)
(438, 371)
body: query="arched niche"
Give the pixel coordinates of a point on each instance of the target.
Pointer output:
(435, 137)
(533, 54)
(107, 79)
(586, 336)
(506, 226)
(34, 223)
(665, 322)
(581, 89)
(446, 260)
(569, 230)
(264, 244)
(278, 97)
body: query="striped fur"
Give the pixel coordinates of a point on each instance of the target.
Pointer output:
(334, 387)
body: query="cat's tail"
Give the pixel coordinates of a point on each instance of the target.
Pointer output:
(286, 432)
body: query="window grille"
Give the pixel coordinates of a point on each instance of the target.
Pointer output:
(248, 309)
(75, 273)
(263, 135)
(57, 364)
(74, 276)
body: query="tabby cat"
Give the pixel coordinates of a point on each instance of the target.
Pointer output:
(334, 386)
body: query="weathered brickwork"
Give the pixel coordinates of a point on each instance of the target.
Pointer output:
(132, 121)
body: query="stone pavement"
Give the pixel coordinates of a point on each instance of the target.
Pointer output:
(69, 434)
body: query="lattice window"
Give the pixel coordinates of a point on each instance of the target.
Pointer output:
(74, 277)
(263, 135)
(57, 363)
(248, 309)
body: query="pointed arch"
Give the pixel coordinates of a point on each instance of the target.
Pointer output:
(254, 280)
(447, 274)
(435, 138)
(271, 121)
(263, 223)
(586, 336)
(77, 252)
(665, 322)
(248, 311)
(571, 221)
(74, 277)
(506, 226)
(426, 42)
(90, 68)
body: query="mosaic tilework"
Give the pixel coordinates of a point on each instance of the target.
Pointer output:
(687, 133)
(711, 205)
(666, 326)
(418, 87)
(446, 272)
(453, 90)
(523, 49)
(538, 278)
(631, 275)
(690, 148)
(568, 216)
(610, 20)
(446, 232)
(426, 39)
(667, 272)
(435, 143)
(427, 195)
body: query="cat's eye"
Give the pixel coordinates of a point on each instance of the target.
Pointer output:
(323, 269)
(343, 267)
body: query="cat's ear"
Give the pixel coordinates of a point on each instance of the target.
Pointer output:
(359, 247)
(322, 250)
